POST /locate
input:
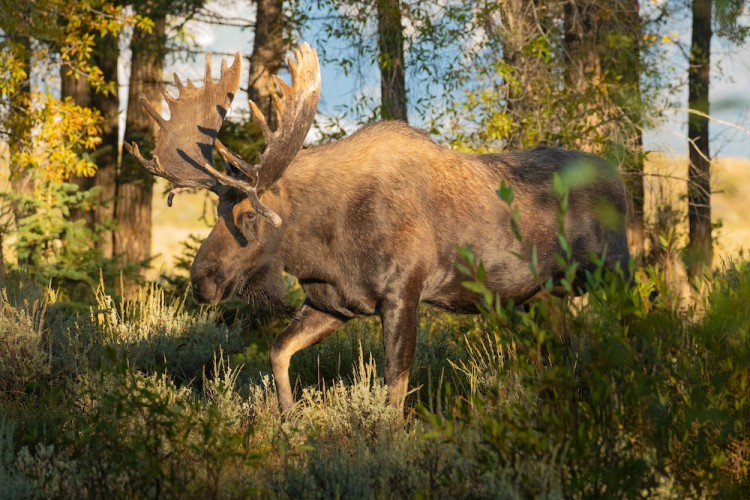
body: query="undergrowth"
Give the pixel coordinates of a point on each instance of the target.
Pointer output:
(622, 394)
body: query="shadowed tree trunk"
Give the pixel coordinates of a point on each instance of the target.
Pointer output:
(79, 91)
(132, 237)
(268, 54)
(623, 69)
(391, 60)
(602, 44)
(700, 249)
(583, 68)
(105, 57)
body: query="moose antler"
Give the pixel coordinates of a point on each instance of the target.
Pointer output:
(184, 143)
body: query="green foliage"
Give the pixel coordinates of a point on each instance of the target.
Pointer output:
(617, 395)
(628, 391)
(50, 242)
(729, 16)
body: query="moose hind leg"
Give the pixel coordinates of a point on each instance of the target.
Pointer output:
(308, 327)
(399, 320)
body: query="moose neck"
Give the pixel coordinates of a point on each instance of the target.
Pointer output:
(303, 200)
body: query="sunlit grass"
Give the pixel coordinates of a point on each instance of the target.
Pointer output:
(624, 396)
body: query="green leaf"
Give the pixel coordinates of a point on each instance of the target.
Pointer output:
(467, 253)
(505, 193)
(515, 226)
(557, 185)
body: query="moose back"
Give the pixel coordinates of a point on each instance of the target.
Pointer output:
(370, 225)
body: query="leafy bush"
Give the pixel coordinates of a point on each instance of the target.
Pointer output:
(623, 394)
(630, 395)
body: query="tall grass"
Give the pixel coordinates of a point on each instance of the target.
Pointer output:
(627, 394)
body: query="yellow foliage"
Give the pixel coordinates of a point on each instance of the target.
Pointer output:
(12, 72)
(62, 131)
(47, 136)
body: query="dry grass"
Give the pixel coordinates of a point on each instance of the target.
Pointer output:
(173, 226)
(666, 186)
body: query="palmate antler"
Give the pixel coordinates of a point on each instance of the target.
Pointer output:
(184, 143)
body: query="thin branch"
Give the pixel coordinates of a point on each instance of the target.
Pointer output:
(713, 118)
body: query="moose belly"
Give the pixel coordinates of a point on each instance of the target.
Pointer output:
(333, 299)
(508, 282)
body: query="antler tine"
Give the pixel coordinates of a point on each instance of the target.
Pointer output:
(178, 82)
(248, 189)
(207, 80)
(285, 89)
(152, 112)
(278, 107)
(165, 93)
(293, 66)
(237, 61)
(258, 115)
(233, 159)
(151, 166)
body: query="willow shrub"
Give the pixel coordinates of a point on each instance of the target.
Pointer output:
(621, 394)
(631, 396)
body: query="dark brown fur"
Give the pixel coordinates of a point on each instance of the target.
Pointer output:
(370, 227)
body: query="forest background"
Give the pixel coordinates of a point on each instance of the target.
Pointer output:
(112, 381)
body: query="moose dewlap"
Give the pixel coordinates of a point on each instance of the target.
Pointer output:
(370, 225)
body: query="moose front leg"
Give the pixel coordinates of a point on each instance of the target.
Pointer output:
(308, 327)
(399, 318)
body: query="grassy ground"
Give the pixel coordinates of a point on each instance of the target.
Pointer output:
(628, 396)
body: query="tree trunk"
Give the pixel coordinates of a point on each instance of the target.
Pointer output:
(581, 41)
(700, 249)
(623, 71)
(79, 91)
(520, 23)
(634, 27)
(105, 57)
(391, 61)
(268, 54)
(3, 274)
(583, 71)
(132, 237)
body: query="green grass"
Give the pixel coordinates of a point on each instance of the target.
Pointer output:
(626, 395)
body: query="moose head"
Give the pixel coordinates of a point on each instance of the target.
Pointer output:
(235, 251)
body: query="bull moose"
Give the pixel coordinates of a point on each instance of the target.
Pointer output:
(370, 224)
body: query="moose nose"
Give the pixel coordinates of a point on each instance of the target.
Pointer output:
(205, 292)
